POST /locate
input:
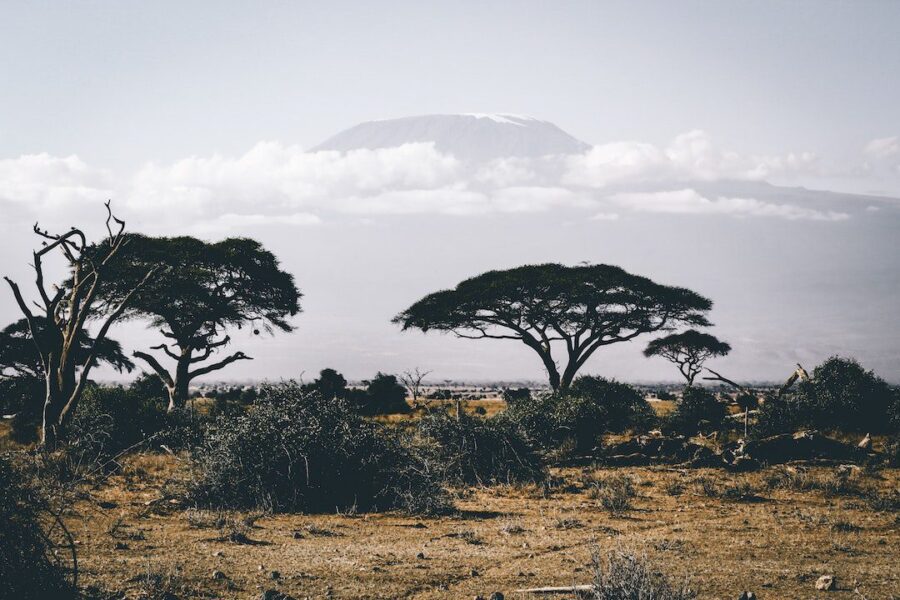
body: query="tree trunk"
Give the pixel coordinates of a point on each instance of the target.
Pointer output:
(178, 392)
(59, 405)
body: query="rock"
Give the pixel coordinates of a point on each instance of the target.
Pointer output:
(218, 553)
(826, 583)
(274, 575)
(274, 595)
(298, 535)
(420, 556)
(496, 596)
(865, 443)
(218, 575)
(121, 546)
(478, 598)
(474, 573)
(743, 464)
(803, 445)
(747, 596)
(107, 504)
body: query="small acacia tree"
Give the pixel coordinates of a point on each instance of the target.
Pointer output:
(582, 308)
(206, 289)
(58, 329)
(412, 380)
(688, 351)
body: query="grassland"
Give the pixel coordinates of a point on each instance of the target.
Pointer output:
(773, 541)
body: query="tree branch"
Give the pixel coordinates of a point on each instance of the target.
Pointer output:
(154, 364)
(219, 365)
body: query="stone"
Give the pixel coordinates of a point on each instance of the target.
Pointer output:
(275, 595)
(473, 573)
(865, 443)
(218, 553)
(496, 596)
(218, 575)
(274, 575)
(826, 583)
(420, 556)
(121, 546)
(747, 596)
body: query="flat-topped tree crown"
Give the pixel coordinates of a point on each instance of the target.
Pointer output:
(687, 350)
(206, 289)
(581, 308)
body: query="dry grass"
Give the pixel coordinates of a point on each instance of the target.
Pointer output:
(506, 538)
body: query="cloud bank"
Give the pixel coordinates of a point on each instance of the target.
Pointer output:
(274, 183)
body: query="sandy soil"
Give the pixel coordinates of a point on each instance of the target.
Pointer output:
(505, 539)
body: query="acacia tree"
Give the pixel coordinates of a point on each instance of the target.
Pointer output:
(206, 289)
(412, 380)
(581, 308)
(688, 351)
(19, 356)
(58, 329)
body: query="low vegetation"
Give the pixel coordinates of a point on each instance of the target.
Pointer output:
(626, 575)
(297, 451)
(26, 570)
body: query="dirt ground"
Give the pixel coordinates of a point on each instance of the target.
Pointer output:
(775, 543)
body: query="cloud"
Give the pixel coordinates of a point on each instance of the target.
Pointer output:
(277, 184)
(45, 183)
(689, 157)
(689, 202)
(883, 148)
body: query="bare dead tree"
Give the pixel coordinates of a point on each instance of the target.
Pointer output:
(413, 382)
(744, 396)
(63, 313)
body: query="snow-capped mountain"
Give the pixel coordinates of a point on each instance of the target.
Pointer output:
(473, 137)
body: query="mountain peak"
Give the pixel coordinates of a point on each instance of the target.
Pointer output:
(467, 136)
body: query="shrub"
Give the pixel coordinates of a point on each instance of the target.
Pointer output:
(625, 575)
(623, 406)
(697, 410)
(477, 451)
(614, 492)
(22, 396)
(841, 394)
(778, 415)
(25, 570)
(578, 417)
(329, 384)
(295, 451)
(110, 419)
(384, 394)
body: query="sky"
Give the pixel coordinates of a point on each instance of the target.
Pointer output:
(197, 118)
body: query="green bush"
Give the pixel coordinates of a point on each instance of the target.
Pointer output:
(477, 451)
(26, 573)
(623, 406)
(22, 396)
(697, 410)
(778, 415)
(109, 419)
(383, 394)
(296, 451)
(840, 394)
(843, 394)
(578, 417)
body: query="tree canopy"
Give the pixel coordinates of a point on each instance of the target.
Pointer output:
(687, 350)
(205, 289)
(19, 356)
(583, 308)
